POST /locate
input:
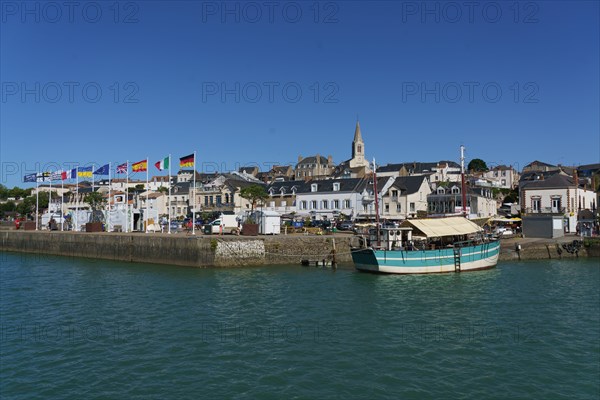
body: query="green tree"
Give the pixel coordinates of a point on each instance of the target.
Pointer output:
(255, 194)
(3, 192)
(94, 199)
(18, 193)
(511, 197)
(477, 165)
(140, 186)
(8, 206)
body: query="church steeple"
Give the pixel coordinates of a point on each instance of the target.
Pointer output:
(358, 146)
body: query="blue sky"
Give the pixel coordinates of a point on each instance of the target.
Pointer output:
(258, 83)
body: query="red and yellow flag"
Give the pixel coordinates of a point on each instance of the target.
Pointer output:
(187, 161)
(140, 166)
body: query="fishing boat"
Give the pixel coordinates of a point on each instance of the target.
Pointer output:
(423, 246)
(428, 245)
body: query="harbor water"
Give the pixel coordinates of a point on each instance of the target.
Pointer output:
(79, 328)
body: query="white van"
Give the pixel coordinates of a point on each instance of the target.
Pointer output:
(225, 224)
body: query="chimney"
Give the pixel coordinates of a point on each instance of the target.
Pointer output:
(329, 160)
(299, 159)
(318, 157)
(575, 178)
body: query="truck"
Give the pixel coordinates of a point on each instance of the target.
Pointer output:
(225, 224)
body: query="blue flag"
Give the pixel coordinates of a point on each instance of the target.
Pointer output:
(30, 178)
(103, 170)
(73, 173)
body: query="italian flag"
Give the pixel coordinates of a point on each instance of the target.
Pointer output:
(162, 164)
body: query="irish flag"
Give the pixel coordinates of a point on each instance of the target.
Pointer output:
(162, 164)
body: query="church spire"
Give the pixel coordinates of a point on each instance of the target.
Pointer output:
(357, 134)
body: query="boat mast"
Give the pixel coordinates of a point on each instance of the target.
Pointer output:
(376, 202)
(463, 188)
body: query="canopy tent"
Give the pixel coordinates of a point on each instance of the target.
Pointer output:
(508, 220)
(443, 226)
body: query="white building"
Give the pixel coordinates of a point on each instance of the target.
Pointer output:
(559, 194)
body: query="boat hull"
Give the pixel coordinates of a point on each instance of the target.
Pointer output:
(476, 257)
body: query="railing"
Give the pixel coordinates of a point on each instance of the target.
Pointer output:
(546, 210)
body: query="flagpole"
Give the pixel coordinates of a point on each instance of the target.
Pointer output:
(37, 199)
(109, 190)
(127, 196)
(194, 199)
(62, 202)
(93, 168)
(147, 191)
(50, 197)
(76, 197)
(169, 198)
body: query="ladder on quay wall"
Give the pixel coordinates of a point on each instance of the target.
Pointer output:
(457, 259)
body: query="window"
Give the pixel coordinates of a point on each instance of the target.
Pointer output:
(387, 208)
(503, 182)
(394, 193)
(206, 200)
(455, 190)
(440, 190)
(412, 207)
(536, 204)
(347, 204)
(218, 200)
(303, 205)
(325, 204)
(336, 204)
(283, 203)
(336, 187)
(398, 208)
(313, 204)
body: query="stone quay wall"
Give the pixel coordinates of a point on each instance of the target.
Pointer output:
(237, 251)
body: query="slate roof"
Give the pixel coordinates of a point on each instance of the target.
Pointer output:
(537, 163)
(417, 167)
(554, 181)
(409, 184)
(313, 160)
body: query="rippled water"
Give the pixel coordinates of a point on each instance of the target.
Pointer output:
(75, 328)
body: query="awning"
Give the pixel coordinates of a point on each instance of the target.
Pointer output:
(443, 226)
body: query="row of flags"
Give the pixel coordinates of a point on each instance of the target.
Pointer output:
(88, 172)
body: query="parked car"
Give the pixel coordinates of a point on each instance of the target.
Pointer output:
(345, 225)
(321, 223)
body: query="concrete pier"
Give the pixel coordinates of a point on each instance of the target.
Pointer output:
(236, 251)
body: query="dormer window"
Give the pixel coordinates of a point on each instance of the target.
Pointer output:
(313, 187)
(455, 190)
(336, 187)
(440, 190)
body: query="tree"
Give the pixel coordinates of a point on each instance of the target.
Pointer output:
(511, 197)
(94, 199)
(254, 194)
(3, 192)
(477, 165)
(8, 206)
(163, 189)
(140, 186)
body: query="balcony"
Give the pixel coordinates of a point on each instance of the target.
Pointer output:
(546, 210)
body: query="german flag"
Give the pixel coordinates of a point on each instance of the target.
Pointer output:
(187, 161)
(140, 166)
